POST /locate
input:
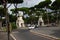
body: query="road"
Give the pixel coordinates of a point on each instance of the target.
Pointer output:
(27, 35)
(3, 36)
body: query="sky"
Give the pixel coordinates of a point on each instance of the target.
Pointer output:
(27, 3)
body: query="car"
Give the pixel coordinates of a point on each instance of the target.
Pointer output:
(32, 27)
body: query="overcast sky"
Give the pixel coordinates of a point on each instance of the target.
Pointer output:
(27, 3)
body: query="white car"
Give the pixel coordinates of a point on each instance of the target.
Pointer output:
(32, 27)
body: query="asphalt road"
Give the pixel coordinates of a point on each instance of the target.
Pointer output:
(3, 36)
(26, 35)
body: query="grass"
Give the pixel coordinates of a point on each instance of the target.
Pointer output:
(4, 29)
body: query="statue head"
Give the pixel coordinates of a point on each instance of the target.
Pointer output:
(20, 13)
(40, 16)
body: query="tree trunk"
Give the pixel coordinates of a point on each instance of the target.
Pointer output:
(0, 24)
(57, 21)
(7, 17)
(47, 18)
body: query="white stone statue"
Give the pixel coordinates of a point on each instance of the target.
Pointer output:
(40, 21)
(20, 21)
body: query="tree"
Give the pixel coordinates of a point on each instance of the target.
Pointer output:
(29, 12)
(24, 9)
(12, 18)
(56, 8)
(4, 3)
(44, 4)
(1, 14)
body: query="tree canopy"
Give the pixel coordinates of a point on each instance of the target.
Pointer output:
(38, 9)
(1, 11)
(56, 4)
(43, 4)
(11, 1)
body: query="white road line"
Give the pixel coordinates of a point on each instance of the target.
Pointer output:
(44, 35)
(13, 37)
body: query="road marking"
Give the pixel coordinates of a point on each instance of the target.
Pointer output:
(12, 36)
(44, 35)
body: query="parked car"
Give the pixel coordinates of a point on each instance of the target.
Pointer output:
(31, 27)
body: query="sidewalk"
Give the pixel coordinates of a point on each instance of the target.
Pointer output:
(53, 32)
(3, 36)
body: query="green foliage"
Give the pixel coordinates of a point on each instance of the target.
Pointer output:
(11, 1)
(12, 18)
(31, 19)
(2, 11)
(56, 4)
(13, 24)
(24, 9)
(52, 18)
(15, 1)
(43, 4)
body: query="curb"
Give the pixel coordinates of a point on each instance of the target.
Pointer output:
(44, 35)
(13, 37)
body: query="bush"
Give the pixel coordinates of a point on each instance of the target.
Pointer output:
(13, 24)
